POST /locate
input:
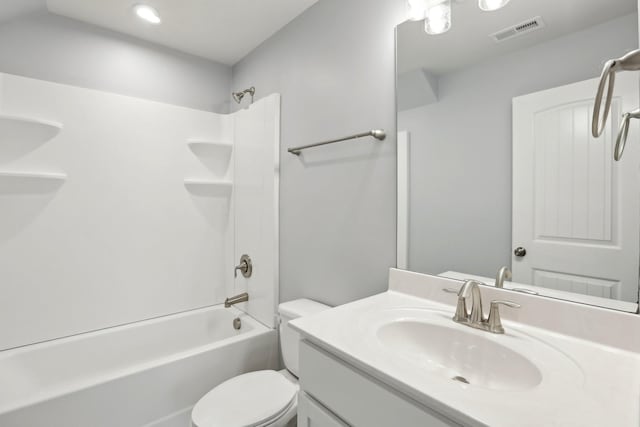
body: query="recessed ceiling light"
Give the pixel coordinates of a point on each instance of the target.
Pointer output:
(147, 13)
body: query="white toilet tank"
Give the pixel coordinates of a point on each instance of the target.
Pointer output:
(290, 339)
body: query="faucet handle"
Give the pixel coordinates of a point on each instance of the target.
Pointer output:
(510, 304)
(462, 315)
(494, 323)
(245, 267)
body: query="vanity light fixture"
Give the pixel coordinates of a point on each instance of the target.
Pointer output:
(435, 13)
(417, 9)
(491, 5)
(438, 17)
(147, 13)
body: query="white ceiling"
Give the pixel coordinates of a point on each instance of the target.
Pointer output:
(468, 40)
(10, 9)
(220, 30)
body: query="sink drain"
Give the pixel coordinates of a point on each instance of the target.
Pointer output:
(461, 379)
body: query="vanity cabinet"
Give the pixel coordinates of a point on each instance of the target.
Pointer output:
(335, 394)
(313, 414)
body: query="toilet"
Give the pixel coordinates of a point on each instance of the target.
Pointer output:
(261, 398)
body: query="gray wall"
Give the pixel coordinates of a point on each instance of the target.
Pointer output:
(460, 203)
(58, 49)
(334, 66)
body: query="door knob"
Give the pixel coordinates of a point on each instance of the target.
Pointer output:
(520, 252)
(245, 267)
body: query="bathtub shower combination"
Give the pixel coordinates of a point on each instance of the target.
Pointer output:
(147, 373)
(122, 221)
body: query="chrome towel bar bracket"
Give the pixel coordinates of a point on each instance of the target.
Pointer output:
(378, 134)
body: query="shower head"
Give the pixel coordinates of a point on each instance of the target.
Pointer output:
(238, 96)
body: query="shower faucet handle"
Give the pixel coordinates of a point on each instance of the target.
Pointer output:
(245, 267)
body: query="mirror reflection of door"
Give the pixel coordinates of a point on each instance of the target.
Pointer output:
(496, 153)
(575, 210)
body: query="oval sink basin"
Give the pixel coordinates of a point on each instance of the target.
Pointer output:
(468, 356)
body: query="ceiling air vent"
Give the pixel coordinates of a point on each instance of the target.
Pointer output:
(518, 29)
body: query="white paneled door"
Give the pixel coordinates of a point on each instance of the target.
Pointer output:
(575, 210)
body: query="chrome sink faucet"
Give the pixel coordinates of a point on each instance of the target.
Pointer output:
(475, 318)
(470, 288)
(503, 274)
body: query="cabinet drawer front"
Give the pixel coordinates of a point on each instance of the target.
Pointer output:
(356, 398)
(311, 414)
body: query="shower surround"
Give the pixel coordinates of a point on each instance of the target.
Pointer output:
(117, 210)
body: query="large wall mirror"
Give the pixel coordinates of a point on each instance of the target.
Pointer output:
(497, 166)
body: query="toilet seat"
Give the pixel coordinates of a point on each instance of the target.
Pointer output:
(255, 399)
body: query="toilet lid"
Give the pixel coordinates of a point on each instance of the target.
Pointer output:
(247, 400)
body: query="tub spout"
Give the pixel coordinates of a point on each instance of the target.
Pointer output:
(236, 300)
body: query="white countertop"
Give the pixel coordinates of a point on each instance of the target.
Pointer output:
(599, 386)
(630, 307)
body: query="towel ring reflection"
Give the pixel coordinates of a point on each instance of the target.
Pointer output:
(629, 62)
(621, 141)
(608, 76)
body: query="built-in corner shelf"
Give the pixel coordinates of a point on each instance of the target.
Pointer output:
(215, 155)
(206, 187)
(17, 129)
(33, 176)
(18, 183)
(203, 144)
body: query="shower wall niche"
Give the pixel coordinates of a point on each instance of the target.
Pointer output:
(114, 209)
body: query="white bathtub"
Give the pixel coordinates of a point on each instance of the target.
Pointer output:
(145, 374)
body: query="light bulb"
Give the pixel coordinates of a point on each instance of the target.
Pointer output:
(438, 19)
(490, 5)
(417, 9)
(147, 13)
